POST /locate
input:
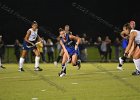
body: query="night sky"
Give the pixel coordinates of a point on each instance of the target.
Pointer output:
(52, 14)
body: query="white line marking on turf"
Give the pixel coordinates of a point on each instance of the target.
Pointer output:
(74, 83)
(33, 76)
(124, 78)
(43, 90)
(34, 98)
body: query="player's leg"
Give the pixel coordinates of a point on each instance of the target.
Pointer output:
(75, 62)
(64, 60)
(37, 59)
(21, 60)
(136, 59)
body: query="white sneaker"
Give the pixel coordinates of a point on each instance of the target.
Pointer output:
(21, 70)
(121, 61)
(119, 68)
(63, 74)
(38, 69)
(55, 63)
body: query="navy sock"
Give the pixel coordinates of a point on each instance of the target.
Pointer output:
(64, 69)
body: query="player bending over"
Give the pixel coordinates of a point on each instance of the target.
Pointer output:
(133, 37)
(131, 51)
(30, 41)
(69, 44)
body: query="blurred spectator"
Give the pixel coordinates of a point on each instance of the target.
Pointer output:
(58, 46)
(83, 48)
(2, 51)
(117, 45)
(109, 49)
(44, 50)
(17, 47)
(98, 45)
(67, 29)
(50, 50)
(103, 51)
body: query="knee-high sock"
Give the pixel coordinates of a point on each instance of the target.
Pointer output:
(37, 61)
(63, 65)
(21, 61)
(137, 64)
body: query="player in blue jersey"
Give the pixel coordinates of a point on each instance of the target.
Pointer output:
(69, 44)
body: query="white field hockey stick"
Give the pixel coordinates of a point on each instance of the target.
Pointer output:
(34, 45)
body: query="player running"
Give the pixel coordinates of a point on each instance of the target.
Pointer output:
(69, 44)
(131, 51)
(30, 41)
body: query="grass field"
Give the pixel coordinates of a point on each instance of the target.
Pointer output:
(94, 81)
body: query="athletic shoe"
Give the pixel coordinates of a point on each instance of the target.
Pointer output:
(2, 67)
(21, 70)
(136, 72)
(38, 69)
(55, 64)
(79, 64)
(62, 74)
(119, 68)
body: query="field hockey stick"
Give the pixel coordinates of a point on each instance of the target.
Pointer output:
(34, 45)
(66, 64)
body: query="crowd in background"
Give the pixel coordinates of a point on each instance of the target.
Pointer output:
(105, 48)
(48, 48)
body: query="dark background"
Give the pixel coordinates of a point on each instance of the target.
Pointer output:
(52, 14)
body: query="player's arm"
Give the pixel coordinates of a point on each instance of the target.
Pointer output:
(131, 40)
(131, 51)
(77, 39)
(123, 35)
(27, 37)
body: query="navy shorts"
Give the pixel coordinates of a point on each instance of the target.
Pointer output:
(25, 46)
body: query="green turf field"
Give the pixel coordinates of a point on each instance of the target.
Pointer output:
(94, 81)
